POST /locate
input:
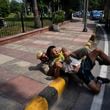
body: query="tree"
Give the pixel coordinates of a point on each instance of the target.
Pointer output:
(42, 6)
(4, 8)
(96, 4)
(15, 7)
(34, 5)
(71, 4)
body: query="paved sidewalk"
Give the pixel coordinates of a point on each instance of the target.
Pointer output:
(20, 78)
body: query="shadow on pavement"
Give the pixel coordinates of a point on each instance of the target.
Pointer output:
(73, 94)
(36, 67)
(9, 91)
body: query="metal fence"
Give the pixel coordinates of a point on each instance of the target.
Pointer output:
(14, 26)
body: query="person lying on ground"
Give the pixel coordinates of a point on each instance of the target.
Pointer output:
(46, 63)
(65, 60)
(48, 69)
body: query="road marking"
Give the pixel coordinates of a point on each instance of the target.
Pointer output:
(98, 99)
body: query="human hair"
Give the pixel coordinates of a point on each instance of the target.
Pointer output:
(49, 49)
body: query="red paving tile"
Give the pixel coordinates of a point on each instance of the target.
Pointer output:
(21, 89)
(79, 44)
(18, 54)
(80, 40)
(6, 75)
(10, 52)
(33, 45)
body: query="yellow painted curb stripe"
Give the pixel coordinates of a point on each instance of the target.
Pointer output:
(58, 84)
(37, 103)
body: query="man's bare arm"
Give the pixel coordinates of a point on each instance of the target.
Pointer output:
(55, 69)
(67, 53)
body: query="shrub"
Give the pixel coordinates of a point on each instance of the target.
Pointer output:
(58, 16)
(69, 14)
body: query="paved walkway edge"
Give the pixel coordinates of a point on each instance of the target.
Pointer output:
(20, 36)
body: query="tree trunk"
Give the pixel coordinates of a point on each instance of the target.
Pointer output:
(36, 15)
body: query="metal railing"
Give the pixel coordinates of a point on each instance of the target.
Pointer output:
(18, 25)
(15, 27)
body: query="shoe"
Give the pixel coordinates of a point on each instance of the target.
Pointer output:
(101, 62)
(103, 80)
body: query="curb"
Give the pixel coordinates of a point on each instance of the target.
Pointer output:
(20, 36)
(48, 96)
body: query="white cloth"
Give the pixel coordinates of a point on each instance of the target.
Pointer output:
(69, 66)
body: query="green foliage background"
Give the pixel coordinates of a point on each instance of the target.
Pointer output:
(4, 8)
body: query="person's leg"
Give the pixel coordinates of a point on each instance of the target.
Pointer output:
(102, 80)
(97, 52)
(94, 87)
(90, 81)
(80, 53)
(95, 84)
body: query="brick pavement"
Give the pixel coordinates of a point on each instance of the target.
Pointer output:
(20, 77)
